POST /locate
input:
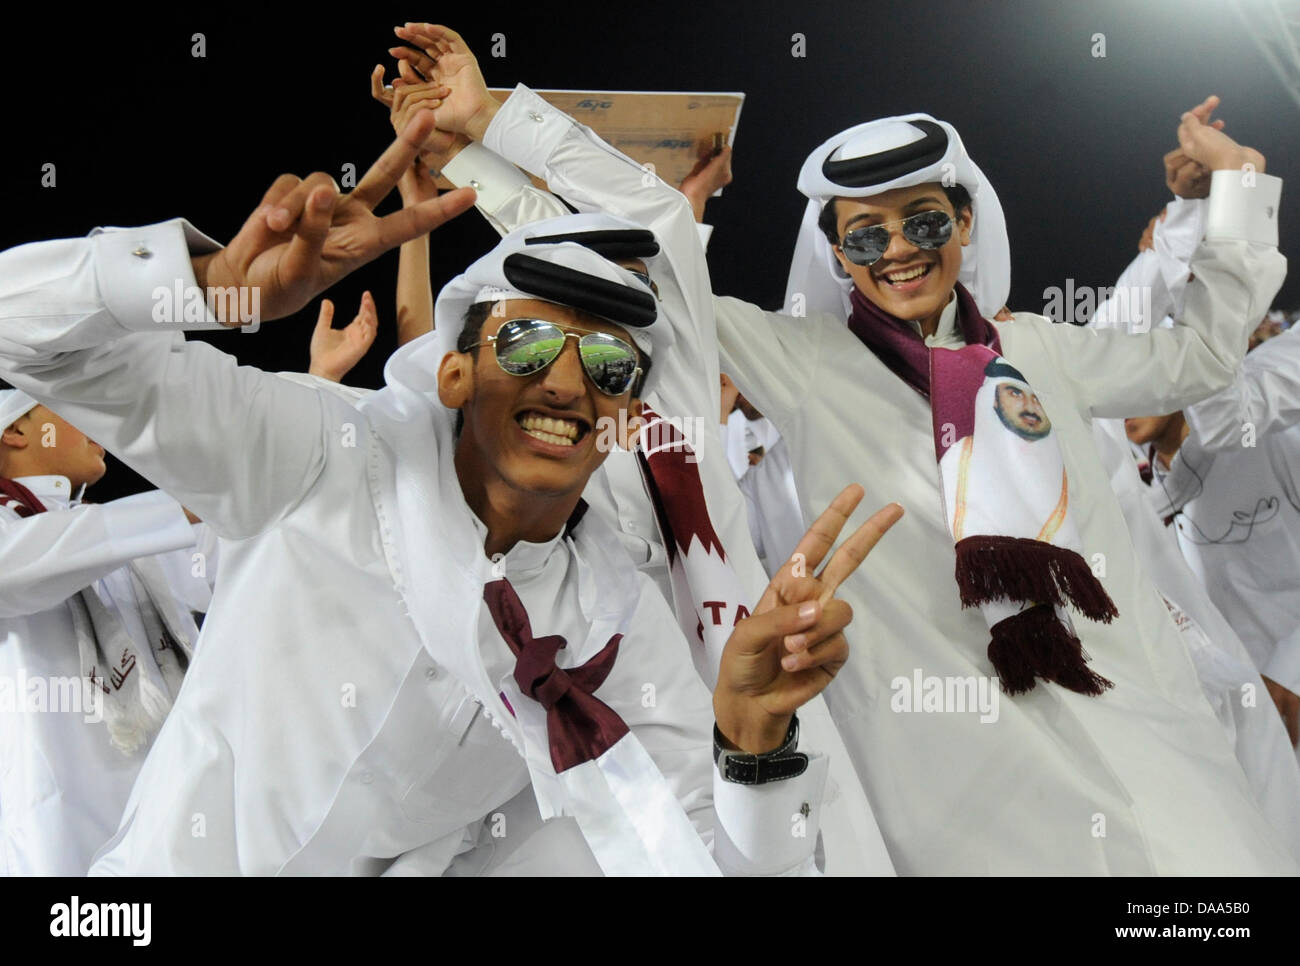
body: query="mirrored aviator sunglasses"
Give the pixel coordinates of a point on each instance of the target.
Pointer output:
(527, 346)
(927, 230)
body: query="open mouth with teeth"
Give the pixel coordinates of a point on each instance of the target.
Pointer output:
(907, 278)
(552, 430)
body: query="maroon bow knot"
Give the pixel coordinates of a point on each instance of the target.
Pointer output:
(579, 726)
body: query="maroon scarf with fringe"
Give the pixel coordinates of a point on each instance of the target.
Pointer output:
(1034, 574)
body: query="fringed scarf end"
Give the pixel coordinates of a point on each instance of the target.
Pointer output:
(991, 568)
(1035, 644)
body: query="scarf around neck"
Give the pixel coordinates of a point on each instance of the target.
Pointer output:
(1005, 494)
(135, 695)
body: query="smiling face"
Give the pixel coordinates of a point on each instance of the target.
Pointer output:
(1021, 412)
(537, 434)
(907, 282)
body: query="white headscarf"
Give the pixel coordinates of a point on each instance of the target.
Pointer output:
(937, 155)
(14, 404)
(486, 280)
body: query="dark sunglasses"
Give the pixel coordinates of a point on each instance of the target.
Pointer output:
(926, 229)
(527, 346)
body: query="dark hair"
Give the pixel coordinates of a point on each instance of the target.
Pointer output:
(828, 221)
(471, 331)
(472, 326)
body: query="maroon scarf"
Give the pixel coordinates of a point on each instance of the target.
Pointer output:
(1033, 643)
(24, 500)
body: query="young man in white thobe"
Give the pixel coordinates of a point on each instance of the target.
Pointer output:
(1137, 780)
(96, 629)
(707, 598)
(1226, 475)
(1149, 295)
(381, 730)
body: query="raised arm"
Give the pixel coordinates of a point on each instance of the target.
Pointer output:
(1237, 270)
(92, 326)
(1263, 399)
(48, 557)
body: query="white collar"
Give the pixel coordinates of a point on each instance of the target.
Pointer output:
(53, 491)
(525, 558)
(946, 332)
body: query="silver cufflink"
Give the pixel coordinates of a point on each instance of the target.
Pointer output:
(535, 116)
(142, 252)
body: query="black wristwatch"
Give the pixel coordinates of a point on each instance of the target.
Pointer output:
(771, 766)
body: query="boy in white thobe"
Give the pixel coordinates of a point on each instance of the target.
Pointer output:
(66, 771)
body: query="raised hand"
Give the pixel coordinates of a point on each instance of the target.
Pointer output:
(447, 61)
(335, 351)
(1204, 142)
(793, 645)
(711, 173)
(305, 236)
(1184, 177)
(408, 94)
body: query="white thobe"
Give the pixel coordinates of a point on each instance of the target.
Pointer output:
(62, 782)
(1151, 288)
(775, 520)
(1236, 481)
(592, 176)
(315, 732)
(1227, 672)
(1139, 780)
(1152, 285)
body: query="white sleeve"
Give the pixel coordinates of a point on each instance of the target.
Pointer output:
(769, 829)
(1263, 399)
(662, 700)
(507, 198)
(593, 176)
(1139, 299)
(48, 557)
(772, 357)
(1175, 241)
(91, 328)
(1237, 271)
(1152, 286)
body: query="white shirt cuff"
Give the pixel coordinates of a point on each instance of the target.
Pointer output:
(146, 280)
(527, 130)
(706, 232)
(145, 524)
(492, 177)
(1283, 665)
(1243, 207)
(769, 829)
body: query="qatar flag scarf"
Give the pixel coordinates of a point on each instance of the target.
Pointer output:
(1005, 495)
